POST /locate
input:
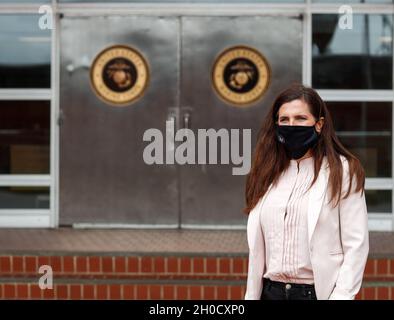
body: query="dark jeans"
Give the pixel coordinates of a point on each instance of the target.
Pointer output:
(274, 290)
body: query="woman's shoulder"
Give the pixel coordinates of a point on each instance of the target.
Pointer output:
(343, 159)
(344, 162)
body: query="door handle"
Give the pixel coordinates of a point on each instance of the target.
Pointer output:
(186, 120)
(170, 131)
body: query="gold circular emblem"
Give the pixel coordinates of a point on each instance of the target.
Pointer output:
(240, 75)
(119, 75)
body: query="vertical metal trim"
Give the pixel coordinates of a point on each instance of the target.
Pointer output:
(55, 142)
(307, 45)
(179, 112)
(392, 122)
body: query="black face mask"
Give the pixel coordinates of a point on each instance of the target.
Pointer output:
(296, 139)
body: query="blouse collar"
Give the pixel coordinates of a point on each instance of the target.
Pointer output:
(306, 162)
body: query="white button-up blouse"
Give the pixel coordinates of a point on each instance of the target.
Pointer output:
(283, 218)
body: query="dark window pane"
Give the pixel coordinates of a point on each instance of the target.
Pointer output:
(24, 198)
(25, 52)
(365, 129)
(378, 201)
(24, 137)
(360, 58)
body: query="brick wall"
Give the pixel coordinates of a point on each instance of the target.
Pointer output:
(151, 277)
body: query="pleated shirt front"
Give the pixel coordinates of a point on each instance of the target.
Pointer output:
(285, 225)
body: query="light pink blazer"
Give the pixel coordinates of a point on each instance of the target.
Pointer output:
(338, 240)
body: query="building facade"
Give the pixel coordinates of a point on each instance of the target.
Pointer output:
(79, 88)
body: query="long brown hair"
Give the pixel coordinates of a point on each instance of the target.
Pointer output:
(270, 158)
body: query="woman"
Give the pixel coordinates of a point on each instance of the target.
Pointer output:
(307, 228)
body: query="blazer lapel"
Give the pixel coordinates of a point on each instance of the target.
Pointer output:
(316, 197)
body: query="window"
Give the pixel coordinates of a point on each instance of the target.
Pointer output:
(365, 129)
(24, 137)
(352, 59)
(25, 120)
(353, 72)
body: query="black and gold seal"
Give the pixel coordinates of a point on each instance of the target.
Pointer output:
(240, 75)
(119, 75)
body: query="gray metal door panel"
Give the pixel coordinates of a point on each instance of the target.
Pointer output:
(210, 194)
(103, 178)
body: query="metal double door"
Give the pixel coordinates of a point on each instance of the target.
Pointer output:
(103, 177)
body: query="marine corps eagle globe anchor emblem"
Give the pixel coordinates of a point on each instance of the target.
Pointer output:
(119, 75)
(240, 75)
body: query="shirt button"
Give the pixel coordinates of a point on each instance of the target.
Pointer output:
(288, 286)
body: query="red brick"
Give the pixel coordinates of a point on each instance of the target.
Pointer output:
(128, 292)
(358, 295)
(61, 291)
(1, 291)
(222, 293)
(82, 265)
(133, 264)
(94, 264)
(68, 264)
(75, 292)
(120, 264)
(102, 291)
(195, 292)
(42, 261)
(238, 265)
(9, 291)
(146, 264)
(362, 293)
(172, 265)
(142, 292)
(35, 292)
(198, 265)
(243, 292)
(211, 265)
(209, 293)
(392, 267)
(5, 264)
(48, 293)
(185, 265)
(17, 264)
(182, 293)
(88, 292)
(369, 293)
(382, 267)
(370, 267)
(56, 264)
(31, 264)
(107, 264)
(236, 293)
(22, 291)
(168, 292)
(158, 264)
(114, 292)
(155, 292)
(383, 293)
(224, 265)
